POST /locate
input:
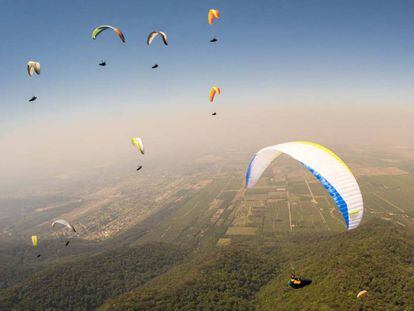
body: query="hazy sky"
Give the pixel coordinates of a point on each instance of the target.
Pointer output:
(321, 70)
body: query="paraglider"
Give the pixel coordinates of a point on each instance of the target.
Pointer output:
(151, 38)
(33, 67)
(102, 64)
(98, 30)
(214, 114)
(328, 169)
(34, 242)
(154, 34)
(64, 223)
(212, 14)
(297, 282)
(39, 255)
(362, 293)
(137, 142)
(213, 91)
(67, 243)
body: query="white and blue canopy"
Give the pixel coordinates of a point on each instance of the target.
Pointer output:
(325, 165)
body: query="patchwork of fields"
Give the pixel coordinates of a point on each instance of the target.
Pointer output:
(287, 200)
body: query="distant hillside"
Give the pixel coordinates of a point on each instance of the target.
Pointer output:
(249, 274)
(378, 257)
(87, 283)
(226, 279)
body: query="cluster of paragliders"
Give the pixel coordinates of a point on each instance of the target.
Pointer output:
(62, 222)
(332, 173)
(325, 165)
(33, 67)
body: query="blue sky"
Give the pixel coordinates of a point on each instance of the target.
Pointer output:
(281, 65)
(265, 48)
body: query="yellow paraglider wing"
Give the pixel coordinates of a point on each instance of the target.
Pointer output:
(34, 240)
(212, 14)
(137, 142)
(213, 91)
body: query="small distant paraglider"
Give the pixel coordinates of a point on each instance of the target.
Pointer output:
(137, 142)
(34, 242)
(39, 255)
(212, 15)
(297, 282)
(33, 67)
(151, 38)
(65, 223)
(362, 293)
(214, 114)
(213, 92)
(98, 30)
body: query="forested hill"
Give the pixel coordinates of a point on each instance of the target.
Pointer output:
(249, 274)
(86, 283)
(378, 257)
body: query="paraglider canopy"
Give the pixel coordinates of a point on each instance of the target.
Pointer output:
(97, 31)
(362, 293)
(325, 165)
(34, 241)
(137, 142)
(154, 34)
(212, 14)
(213, 91)
(33, 67)
(64, 223)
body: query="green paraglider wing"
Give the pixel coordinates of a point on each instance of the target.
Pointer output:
(97, 31)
